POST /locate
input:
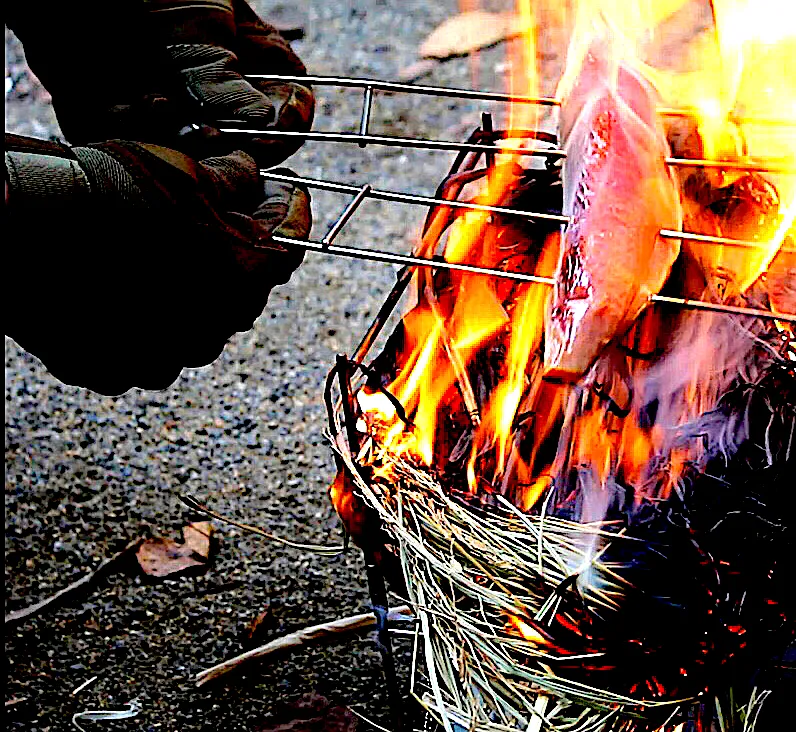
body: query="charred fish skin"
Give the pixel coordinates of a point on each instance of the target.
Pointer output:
(618, 194)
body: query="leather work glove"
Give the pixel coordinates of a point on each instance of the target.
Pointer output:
(132, 261)
(165, 72)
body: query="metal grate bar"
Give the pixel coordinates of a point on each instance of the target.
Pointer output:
(411, 198)
(407, 142)
(485, 96)
(348, 212)
(407, 260)
(362, 138)
(397, 86)
(552, 155)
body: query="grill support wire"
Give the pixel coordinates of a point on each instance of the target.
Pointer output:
(487, 142)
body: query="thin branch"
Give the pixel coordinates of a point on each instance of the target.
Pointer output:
(305, 636)
(83, 585)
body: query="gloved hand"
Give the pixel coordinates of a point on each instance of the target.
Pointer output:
(152, 70)
(133, 261)
(213, 44)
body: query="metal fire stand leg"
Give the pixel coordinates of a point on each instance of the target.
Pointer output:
(379, 602)
(376, 584)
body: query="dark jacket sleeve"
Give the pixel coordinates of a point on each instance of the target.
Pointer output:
(100, 60)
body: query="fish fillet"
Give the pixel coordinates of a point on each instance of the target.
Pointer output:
(619, 194)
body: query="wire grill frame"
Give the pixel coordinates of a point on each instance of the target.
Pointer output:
(486, 142)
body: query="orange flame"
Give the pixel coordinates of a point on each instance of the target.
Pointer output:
(517, 626)
(730, 81)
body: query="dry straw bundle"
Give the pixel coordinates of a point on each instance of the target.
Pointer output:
(468, 572)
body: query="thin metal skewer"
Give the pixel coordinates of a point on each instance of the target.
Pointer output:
(551, 154)
(348, 212)
(396, 86)
(412, 261)
(748, 167)
(409, 142)
(411, 198)
(367, 104)
(485, 96)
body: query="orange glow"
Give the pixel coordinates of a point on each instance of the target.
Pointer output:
(523, 434)
(517, 626)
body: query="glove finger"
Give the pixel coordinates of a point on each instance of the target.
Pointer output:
(284, 212)
(233, 180)
(262, 50)
(285, 209)
(212, 77)
(294, 109)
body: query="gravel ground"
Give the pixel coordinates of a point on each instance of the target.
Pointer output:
(86, 473)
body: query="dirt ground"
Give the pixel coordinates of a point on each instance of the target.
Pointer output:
(86, 474)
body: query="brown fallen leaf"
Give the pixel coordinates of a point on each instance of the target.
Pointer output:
(467, 32)
(197, 537)
(260, 627)
(159, 557)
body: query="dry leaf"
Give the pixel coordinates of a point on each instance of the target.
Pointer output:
(160, 557)
(261, 626)
(467, 32)
(197, 537)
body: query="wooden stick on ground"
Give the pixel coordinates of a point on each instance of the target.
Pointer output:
(323, 631)
(83, 585)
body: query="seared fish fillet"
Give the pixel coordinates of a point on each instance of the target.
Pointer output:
(619, 194)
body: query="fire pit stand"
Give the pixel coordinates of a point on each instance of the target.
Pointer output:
(487, 558)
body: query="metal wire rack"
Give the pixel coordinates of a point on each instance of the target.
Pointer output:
(485, 142)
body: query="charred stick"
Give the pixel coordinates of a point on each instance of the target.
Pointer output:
(487, 127)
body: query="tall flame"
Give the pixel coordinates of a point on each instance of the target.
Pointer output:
(731, 87)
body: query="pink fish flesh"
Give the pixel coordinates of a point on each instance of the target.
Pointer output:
(619, 194)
